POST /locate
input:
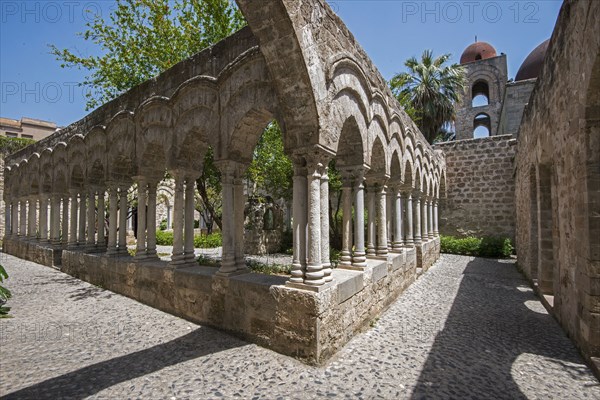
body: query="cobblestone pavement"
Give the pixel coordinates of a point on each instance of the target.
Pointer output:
(468, 328)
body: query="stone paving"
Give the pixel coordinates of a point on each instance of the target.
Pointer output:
(468, 328)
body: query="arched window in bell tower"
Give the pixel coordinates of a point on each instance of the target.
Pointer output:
(480, 94)
(482, 126)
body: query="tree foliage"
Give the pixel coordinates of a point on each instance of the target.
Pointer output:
(429, 91)
(12, 145)
(143, 38)
(271, 170)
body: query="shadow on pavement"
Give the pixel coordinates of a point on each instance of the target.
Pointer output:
(92, 379)
(488, 327)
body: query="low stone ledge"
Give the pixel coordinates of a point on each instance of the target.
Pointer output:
(308, 325)
(33, 250)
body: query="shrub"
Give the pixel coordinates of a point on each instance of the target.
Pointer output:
(208, 241)
(5, 294)
(164, 238)
(287, 242)
(163, 225)
(494, 247)
(268, 269)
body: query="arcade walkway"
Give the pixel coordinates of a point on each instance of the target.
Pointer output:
(468, 328)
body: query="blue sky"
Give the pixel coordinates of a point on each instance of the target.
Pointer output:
(33, 84)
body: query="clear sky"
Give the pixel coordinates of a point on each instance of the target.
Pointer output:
(32, 83)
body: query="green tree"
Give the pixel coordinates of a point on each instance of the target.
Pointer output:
(429, 91)
(271, 170)
(143, 38)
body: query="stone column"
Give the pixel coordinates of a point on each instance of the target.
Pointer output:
(43, 218)
(7, 218)
(101, 219)
(65, 220)
(239, 205)
(430, 218)
(82, 219)
(382, 243)
(23, 218)
(346, 255)
(188, 250)
(91, 219)
(325, 258)
(314, 275)
(371, 221)
(31, 225)
(409, 239)
(113, 200)
(359, 257)
(417, 218)
(389, 213)
(151, 218)
(436, 231)
(398, 242)
(14, 220)
(73, 220)
(55, 219)
(123, 220)
(228, 265)
(424, 234)
(177, 257)
(142, 193)
(299, 224)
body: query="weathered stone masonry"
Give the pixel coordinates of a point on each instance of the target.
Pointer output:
(558, 177)
(297, 63)
(481, 187)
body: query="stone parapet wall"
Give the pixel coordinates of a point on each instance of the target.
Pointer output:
(304, 324)
(32, 251)
(428, 253)
(480, 187)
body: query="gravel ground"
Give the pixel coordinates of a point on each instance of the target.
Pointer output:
(468, 328)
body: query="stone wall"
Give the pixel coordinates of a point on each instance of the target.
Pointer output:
(558, 176)
(304, 324)
(516, 97)
(480, 187)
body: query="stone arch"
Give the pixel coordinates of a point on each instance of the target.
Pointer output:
(120, 145)
(46, 168)
(154, 128)
(196, 118)
(350, 149)
(408, 173)
(480, 93)
(60, 172)
(33, 168)
(77, 162)
(95, 143)
(378, 160)
(292, 81)
(396, 166)
(483, 121)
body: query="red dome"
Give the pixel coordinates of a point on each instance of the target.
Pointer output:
(477, 51)
(532, 65)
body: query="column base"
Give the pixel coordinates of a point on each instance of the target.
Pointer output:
(228, 274)
(312, 288)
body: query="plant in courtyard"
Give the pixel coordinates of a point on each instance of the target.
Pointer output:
(11, 145)
(495, 247)
(5, 294)
(429, 90)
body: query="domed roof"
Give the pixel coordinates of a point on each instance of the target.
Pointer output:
(532, 65)
(477, 51)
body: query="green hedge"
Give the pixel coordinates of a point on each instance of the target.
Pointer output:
(165, 238)
(494, 247)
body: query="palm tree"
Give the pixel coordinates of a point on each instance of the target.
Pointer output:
(429, 90)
